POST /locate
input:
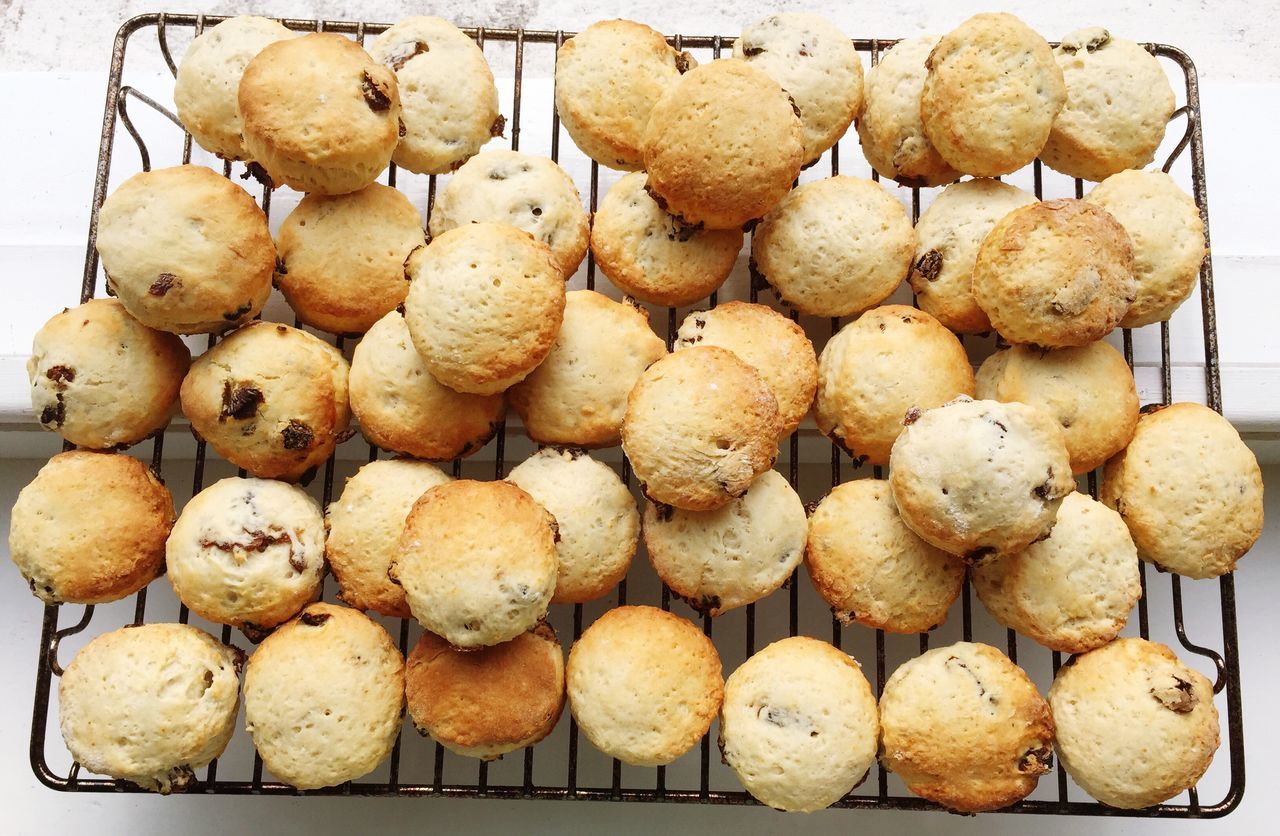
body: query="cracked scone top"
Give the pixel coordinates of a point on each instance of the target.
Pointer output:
(977, 478)
(150, 704)
(963, 726)
(247, 552)
(477, 561)
(1135, 726)
(186, 250)
(700, 425)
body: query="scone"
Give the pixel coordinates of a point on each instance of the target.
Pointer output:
(578, 394)
(1135, 725)
(323, 697)
(980, 478)
(1167, 232)
(608, 78)
(773, 345)
(889, 360)
(477, 561)
(834, 247)
(484, 307)
(150, 704)
(871, 569)
(186, 250)
(722, 145)
(487, 702)
(963, 726)
(448, 102)
(1118, 104)
(597, 524)
(101, 379)
(1088, 390)
(247, 552)
(1055, 274)
(644, 685)
(90, 528)
(799, 725)
(948, 235)
(991, 94)
(209, 79)
(1073, 591)
(700, 425)
(401, 407)
(654, 257)
(730, 557)
(526, 191)
(269, 398)
(1197, 525)
(341, 264)
(816, 64)
(318, 114)
(363, 531)
(889, 126)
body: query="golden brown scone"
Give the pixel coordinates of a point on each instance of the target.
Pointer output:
(723, 145)
(487, 702)
(700, 425)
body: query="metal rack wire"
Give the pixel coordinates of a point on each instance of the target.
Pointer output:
(660, 784)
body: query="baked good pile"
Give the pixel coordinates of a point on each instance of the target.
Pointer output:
(469, 317)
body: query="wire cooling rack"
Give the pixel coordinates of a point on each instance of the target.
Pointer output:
(565, 765)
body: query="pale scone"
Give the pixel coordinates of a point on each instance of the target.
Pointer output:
(963, 726)
(101, 379)
(269, 398)
(1088, 390)
(871, 569)
(644, 685)
(364, 525)
(578, 394)
(651, 255)
(948, 235)
(341, 257)
(980, 478)
(608, 78)
(890, 360)
(700, 425)
(209, 78)
(526, 191)
(773, 345)
(318, 114)
(186, 250)
(90, 528)
(722, 145)
(991, 94)
(247, 552)
(834, 247)
(597, 524)
(1189, 489)
(1118, 104)
(1073, 591)
(816, 64)
(1055, 274)
(477, 561)
(486, 702)
(484, 307)
(323, 697)
(401, 407)
(1135, 725)
(730, 557)
(1167, 232)
(799, 725)
(448, 102)
(150, 704)
(889, 126)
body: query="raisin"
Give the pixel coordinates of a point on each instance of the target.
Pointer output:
(681, 230)
(758, 280)
(555, 531)
(232, 316)
(54, 413)
(163, 284)
(499, 125)
(657, 198)
(913, 415)
(255, 633)
(1037, 761)
(297, 435)
(314, 619)
(683, 62)
(795, 108)
(281, 269)
(61, 374)
(346, 435)
(1002, 427)
(1152, 408)
(374, 95)
(239, 401)
(297, 563)
(1179, 699)
(257, 172)
(1044, 491)
(401, 130)
(930, 265)
(751, 51)
(418, 48)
